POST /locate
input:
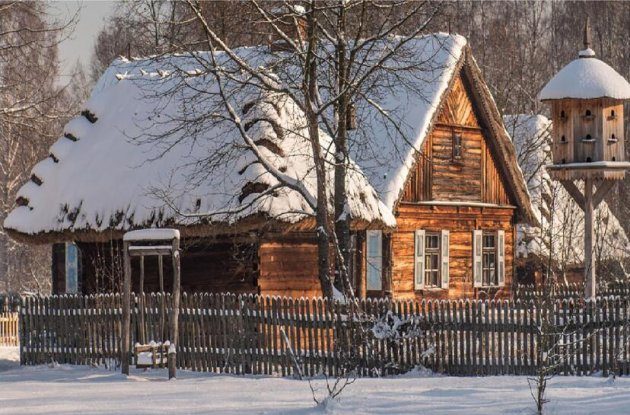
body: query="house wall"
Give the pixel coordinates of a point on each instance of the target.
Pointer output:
(460, 222)
(207, 265)
(473, 179)
(288, 265)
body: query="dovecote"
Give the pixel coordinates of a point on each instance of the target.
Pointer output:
(586, 100)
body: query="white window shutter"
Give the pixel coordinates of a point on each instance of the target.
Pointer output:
(418, 256)
(445, 258)
(374, 274)
(501, 257)
(477, 258)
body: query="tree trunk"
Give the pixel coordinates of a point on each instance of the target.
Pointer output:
(342, 221)
(322, 218)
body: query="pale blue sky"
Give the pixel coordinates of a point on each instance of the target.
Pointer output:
(80, 44)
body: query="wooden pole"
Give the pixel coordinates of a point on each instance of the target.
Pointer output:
(143, 339)
(124, 350)
(174, 320)
(589, 262)
(161, 278)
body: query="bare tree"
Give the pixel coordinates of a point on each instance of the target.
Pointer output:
(31, 116)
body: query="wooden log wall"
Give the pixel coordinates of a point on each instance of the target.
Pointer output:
(460, 222)
(207, 265)
(226, 333)
(288, 266)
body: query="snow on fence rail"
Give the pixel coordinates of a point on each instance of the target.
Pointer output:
(572, 290)
(8, 328)
(243, 334)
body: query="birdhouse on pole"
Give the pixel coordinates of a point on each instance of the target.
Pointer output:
(586, 99)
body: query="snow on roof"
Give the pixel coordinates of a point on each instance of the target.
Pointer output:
(553, 206)
(110, 171)
(586, 78)
(153, 234)
(114, 170)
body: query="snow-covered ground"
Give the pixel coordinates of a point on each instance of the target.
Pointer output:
(84, 390)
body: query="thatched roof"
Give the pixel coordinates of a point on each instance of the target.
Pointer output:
(131, 161)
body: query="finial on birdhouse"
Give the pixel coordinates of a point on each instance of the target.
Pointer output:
(588, 40)
(587, 52)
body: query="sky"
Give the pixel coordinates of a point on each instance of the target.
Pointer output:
(80, 44)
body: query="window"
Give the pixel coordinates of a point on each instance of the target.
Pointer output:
(432, 260)
(374, 262)
(489, 260)
(431, 255)
(457, 147)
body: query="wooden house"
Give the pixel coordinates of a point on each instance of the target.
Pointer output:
(434, 202)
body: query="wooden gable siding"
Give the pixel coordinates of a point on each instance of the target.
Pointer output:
(492, 188)
(460, 222)
(420, 182)
(438, 176)
(458, 108)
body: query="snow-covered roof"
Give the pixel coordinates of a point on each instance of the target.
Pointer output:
(553, 206)
(114, 169)
(152, 234)
(586, 78)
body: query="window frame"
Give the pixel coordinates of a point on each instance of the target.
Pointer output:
(374, 261)
(486, 252)
(432, 252)
(457, 147)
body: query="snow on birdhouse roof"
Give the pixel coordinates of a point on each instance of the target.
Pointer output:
(553, 206)
(586, 78)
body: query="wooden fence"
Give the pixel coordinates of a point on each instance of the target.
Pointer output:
(572, 290)
(8, 329)
(265, 335)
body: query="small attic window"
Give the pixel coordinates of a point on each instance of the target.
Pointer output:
(614, 158)
(563, 139)
(457, 147)
(563, 116)
(588, 139)
(588, 159)
(613, 139)
(612, 116)
(588, 115)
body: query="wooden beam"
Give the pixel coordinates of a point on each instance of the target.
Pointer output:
(589, 263)
(141, 301)
(575, 193)
(126, 328)
(602, 191)
(387, 265)
(174, 321)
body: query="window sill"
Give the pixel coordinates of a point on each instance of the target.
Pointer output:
(430, 289)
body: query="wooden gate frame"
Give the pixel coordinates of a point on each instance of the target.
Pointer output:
(132, 246)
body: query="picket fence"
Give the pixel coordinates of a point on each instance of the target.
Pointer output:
(270, 335)
(8, 328)
(573, 291)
